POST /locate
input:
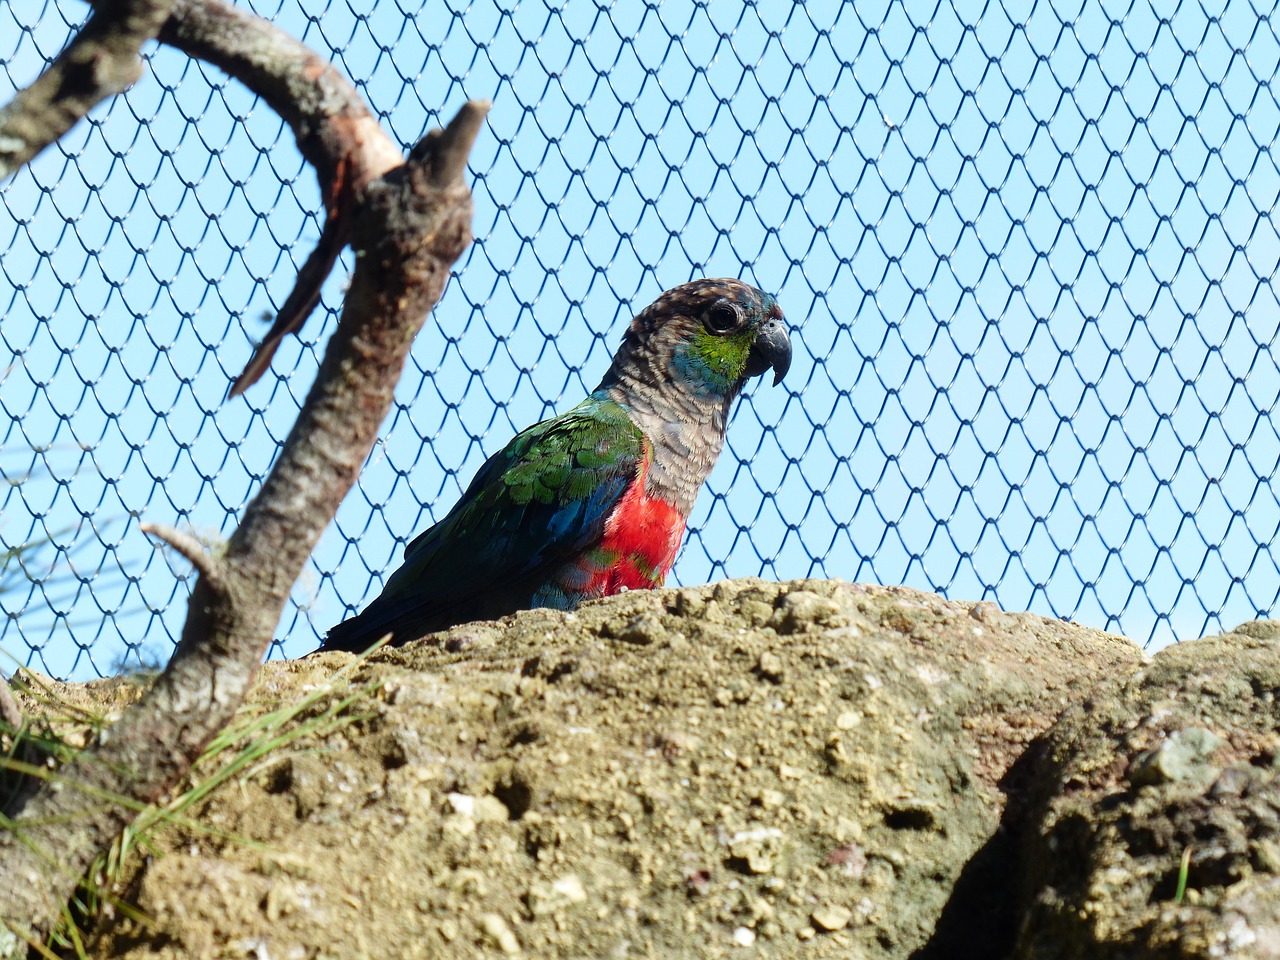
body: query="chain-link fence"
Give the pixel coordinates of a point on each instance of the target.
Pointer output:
(1026, 251)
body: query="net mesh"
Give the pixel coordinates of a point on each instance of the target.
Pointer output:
(1025, 250)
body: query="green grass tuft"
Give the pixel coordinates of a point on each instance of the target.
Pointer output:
(1184, 868)
(255, 739)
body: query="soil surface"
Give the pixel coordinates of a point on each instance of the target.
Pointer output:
(805, 769)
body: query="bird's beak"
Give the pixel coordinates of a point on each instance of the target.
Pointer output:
(771, 349)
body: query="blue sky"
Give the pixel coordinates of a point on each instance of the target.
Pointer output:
(1026, 253)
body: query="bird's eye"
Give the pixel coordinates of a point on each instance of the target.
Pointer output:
(722, 318)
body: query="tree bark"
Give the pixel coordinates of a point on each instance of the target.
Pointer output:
(100, 62)
(408, 222)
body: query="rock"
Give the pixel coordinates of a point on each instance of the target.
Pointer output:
(831, 918)
(1183, 756)
(1260, 629)
(1172, 765)
(490, 809)
(461, 804)
(643, 629)
(771, 799)
(801, 610)
(769, 666)
(496, 929)
(545, 899)
(835, 768)
(758, 850)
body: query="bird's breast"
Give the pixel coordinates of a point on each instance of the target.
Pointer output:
(641, 537)
(638, 546)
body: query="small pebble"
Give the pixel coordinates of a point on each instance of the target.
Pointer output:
(770, 666)
(771, 799)
(462, 804)
(848, 720)
(1185, 755)
(496, 929)
(490, 808)
(544, 899)
(831, 918)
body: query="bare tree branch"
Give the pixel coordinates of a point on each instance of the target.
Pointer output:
(336, 132)
(100, 62)
(302, 299)
(408, 223)
(188, 546)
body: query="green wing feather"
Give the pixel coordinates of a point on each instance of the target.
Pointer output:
(550, 490)
(531, 509)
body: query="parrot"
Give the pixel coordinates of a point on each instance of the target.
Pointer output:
(593, 501)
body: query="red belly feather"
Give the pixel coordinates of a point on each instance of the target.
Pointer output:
(644, 534)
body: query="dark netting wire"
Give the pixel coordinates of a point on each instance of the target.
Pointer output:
(1026, 251)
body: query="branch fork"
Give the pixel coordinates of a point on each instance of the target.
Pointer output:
(408, 222)
(188, 546)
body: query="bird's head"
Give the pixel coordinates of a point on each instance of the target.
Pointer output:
(708, 337)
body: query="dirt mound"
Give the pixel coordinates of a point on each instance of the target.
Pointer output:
(805, 768)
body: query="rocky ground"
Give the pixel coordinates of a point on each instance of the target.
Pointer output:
(805, 769)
